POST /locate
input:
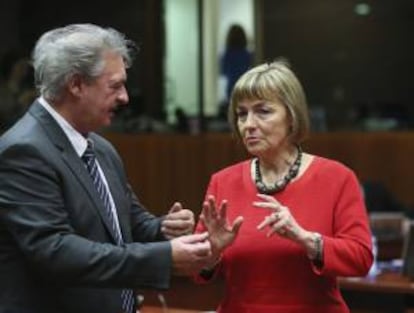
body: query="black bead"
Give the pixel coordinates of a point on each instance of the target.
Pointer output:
(282, 183)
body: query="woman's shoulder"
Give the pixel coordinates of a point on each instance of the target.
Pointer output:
(232, 170)
(331, 166)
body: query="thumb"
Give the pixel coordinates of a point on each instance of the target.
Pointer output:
(175, 208)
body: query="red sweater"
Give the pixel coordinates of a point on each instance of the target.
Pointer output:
(271, 275)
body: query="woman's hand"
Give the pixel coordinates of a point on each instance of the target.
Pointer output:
(280, 221)
(221, 232)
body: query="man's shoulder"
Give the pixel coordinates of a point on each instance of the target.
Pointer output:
(24, 131)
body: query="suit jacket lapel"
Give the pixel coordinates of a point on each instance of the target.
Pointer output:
(73, 161)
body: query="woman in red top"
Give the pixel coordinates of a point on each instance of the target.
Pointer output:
(284, 224)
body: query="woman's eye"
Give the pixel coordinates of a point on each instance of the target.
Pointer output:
(263, 111)
(241, 114)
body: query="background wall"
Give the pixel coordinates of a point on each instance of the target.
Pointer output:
(181, 57)
(9, 25)
(164, 169)
(350, 64)
(23, 21)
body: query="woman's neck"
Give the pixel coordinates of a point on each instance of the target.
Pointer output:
(276, 164)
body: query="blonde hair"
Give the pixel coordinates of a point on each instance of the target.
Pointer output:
(273, 82)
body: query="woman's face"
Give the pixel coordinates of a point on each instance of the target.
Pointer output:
(263, 126)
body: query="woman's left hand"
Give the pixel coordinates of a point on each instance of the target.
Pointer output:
(280, 221)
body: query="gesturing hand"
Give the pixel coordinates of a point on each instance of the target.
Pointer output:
(280, 220)
(190, 253)
(221, 233)
(177, 222)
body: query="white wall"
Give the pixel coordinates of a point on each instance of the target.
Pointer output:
(181, 63)
(210, 64)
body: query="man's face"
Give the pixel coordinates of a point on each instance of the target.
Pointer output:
(100, 98)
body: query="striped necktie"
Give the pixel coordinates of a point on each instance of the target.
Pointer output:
(127, 295)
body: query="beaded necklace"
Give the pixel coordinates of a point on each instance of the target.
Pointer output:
(280, 184)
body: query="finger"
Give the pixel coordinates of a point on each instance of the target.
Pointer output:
(223, 209)
(237, 224)
(213, 207)
(206, 211)
(180, 224)
(266, 205)
(183, 214)
(177, 206)
(173, 233)
(193, 238)
(202, 249)
(267, 198)
(177, 224)
(210, 203)
(278, 228)
(274, 231)
(263, 224)
(267, 221)
(211, 200)
(188, 217)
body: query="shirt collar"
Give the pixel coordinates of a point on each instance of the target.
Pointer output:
(78, 141)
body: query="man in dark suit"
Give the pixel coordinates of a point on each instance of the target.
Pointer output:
(73, 236)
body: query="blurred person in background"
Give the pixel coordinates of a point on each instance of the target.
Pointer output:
(236, 59)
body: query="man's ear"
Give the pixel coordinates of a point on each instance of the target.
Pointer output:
(76, 85)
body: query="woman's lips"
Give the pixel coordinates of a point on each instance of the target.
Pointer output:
(252, 140)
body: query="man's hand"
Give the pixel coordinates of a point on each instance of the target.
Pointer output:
(177, 222)
(190, 253)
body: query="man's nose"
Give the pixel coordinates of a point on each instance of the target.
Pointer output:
(123, 96)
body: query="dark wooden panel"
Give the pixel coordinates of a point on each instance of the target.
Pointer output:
(166, 168)
(342, 58)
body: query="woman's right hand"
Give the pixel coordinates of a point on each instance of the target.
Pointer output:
(221, 232)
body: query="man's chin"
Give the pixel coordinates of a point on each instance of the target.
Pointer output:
(108, 121)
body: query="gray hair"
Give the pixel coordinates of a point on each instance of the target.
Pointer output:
(75, 49)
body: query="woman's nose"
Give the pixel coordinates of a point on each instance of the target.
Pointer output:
(250, 120)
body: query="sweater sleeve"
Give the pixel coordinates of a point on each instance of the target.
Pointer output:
(349, 251)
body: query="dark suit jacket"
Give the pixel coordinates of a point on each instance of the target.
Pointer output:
(57, 253)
